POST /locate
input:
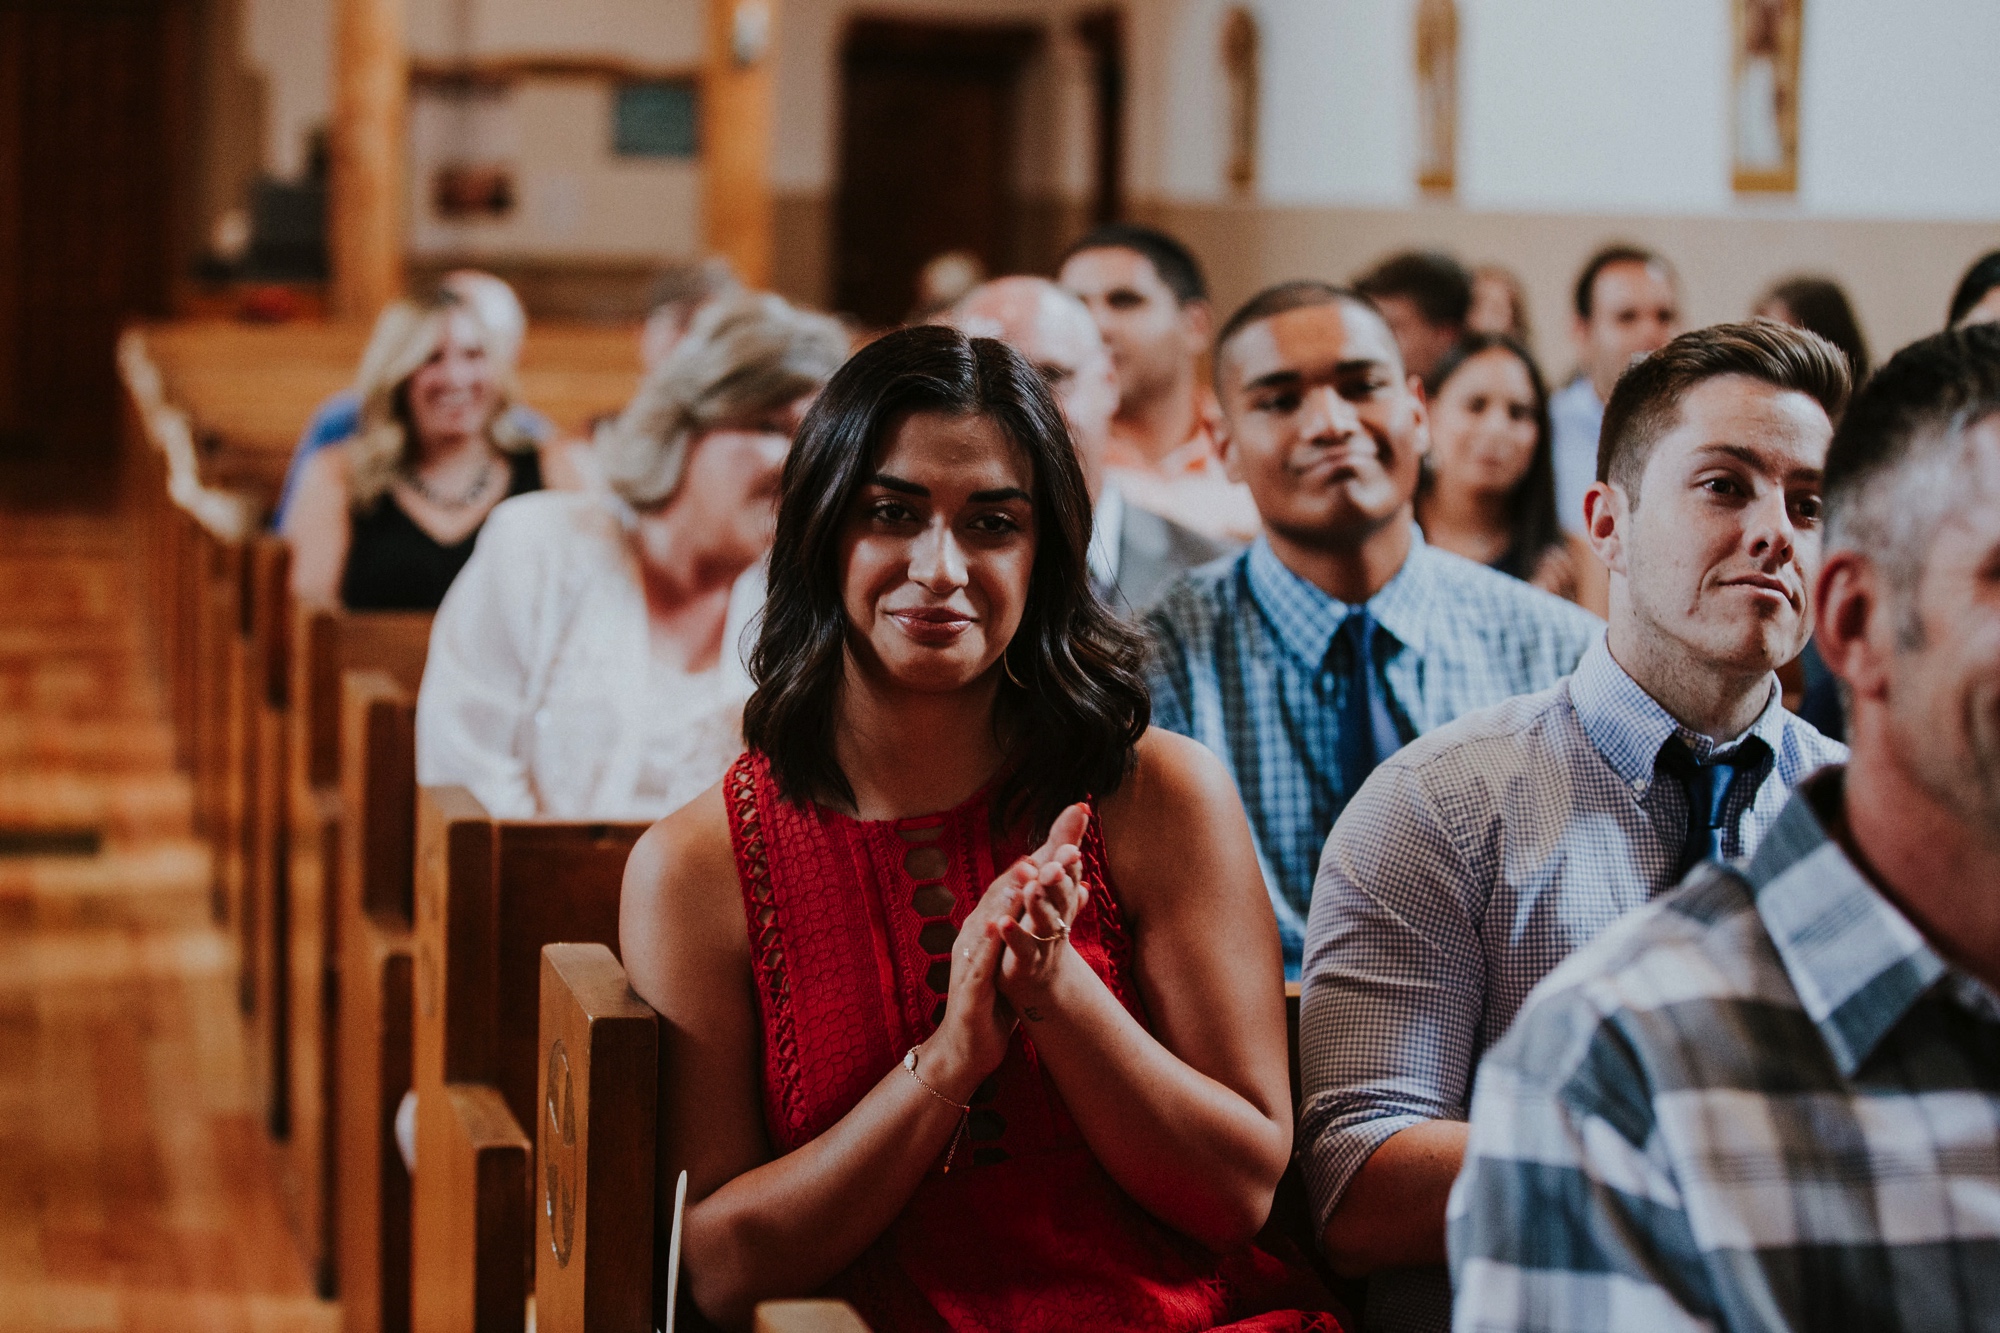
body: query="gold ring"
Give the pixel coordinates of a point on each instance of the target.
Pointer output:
(1062, 933)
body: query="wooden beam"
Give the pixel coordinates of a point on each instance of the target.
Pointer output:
(736, 121)
(370, 102)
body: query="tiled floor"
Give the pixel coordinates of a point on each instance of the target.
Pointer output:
(137, 1189)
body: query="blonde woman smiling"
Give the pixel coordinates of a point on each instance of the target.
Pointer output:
(386, 520)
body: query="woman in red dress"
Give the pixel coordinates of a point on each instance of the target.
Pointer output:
(972, 994)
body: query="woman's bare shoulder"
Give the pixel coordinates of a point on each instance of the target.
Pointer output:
(1172, 778)
(681, 895)
(1175, 816)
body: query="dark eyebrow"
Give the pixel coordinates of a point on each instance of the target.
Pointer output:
(1289, 377)
(1751, 458)
(889, 483)
(1002, 494)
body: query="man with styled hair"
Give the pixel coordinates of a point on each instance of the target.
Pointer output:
(1339, 635)
(1476, 859)
(1771, 1100)
(1146, 292)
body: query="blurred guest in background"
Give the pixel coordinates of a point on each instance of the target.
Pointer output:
(499, 310)
(1425, 295)
(1150, 301)
(1499, 305)
(1134, 553)
(1818, 304)
(386, 519)
(676, 297)
(587, 665)
(944, 280)
(1977, 300)
(1340, 634)
(1628, 303)
(1488, 491)
(1566, 808)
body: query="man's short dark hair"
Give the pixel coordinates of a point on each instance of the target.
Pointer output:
(1431, 280)
(1174, 262)
(1619, 253)
(1904, 426)
(1981, 278)
(1298, 294)
(1647, 402)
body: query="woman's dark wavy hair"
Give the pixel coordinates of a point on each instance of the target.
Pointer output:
(1531, 509)
(1069, 727)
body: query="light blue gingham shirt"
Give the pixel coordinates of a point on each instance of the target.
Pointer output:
(1469, 866)
(1765, 1102)
(1247, 661)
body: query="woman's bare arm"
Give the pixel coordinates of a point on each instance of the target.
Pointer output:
(1193, 1120)
(319, 528)
(756, 1228)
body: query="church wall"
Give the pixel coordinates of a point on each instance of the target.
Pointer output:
(1578, 123)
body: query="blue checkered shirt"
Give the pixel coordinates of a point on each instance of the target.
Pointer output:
(1765, 1102)
(1470, 864)
(1247, 660)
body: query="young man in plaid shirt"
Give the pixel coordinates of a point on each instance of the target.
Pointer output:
(1772, 1099)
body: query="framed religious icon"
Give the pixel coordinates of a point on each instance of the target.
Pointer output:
(1764, 89)
(1437, 96)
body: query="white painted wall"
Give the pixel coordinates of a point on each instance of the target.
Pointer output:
(1902, 107)
(1607, 107)
(1616, 106)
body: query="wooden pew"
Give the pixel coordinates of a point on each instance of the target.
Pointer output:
(598, 1193)
(300, 982)
(490, 894)
(371, 1198)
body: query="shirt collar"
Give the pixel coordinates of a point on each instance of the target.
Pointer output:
(1628, 726)
(1855, 960)
(1305, 619)
(1107, 533)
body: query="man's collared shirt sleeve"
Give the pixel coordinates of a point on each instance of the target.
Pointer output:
(1387, 1025)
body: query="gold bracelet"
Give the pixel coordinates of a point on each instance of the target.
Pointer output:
(964, 1111)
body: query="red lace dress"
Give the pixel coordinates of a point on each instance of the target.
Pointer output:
(851, 927)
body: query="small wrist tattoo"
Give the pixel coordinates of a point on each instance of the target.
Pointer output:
(1032, 1014)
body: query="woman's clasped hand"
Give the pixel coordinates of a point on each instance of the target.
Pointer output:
(1012, 953)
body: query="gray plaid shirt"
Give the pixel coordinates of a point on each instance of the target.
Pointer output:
(1247, 660)
(1764, 1102)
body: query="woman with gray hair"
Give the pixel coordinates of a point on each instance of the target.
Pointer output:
(588, 661)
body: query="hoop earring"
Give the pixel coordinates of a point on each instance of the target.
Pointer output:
(1008, 667)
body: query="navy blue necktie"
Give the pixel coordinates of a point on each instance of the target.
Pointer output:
(1709, 786)
(1367, 728)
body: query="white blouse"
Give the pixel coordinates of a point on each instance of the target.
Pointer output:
(542, 694)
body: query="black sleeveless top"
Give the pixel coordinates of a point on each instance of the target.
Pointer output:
(394, 565)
